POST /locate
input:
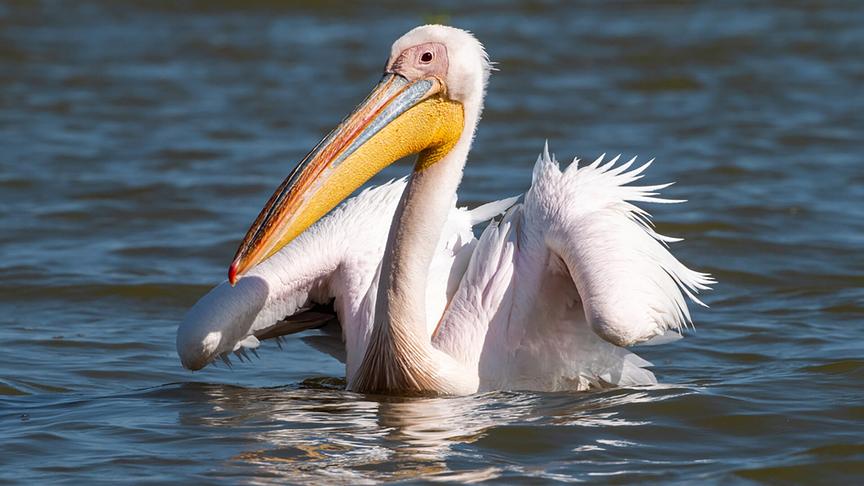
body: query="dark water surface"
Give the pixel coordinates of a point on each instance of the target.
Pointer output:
(137, 143)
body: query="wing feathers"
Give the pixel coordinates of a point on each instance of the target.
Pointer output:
(632, 287)
(490, 210)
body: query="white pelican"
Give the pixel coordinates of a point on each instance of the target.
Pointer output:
(546, 299)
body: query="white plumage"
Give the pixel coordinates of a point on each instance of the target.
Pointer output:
(528, 302)
(546, 299)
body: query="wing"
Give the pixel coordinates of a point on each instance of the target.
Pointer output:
(332, 263)
(631, 287)
(554, 290)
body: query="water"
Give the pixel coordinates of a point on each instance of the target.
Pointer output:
(139, 142)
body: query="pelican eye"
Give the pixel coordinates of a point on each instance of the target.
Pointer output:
(426, 57)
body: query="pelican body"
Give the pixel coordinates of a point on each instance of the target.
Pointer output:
(548, 298)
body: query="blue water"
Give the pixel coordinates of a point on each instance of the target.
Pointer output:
(139, 141)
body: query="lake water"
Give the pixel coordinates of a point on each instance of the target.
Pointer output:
(138, 142)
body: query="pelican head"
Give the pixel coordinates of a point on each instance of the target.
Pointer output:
(432, 89)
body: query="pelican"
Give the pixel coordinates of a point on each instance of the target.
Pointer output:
(548, 298)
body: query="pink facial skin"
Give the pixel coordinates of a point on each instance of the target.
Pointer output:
(421, 61)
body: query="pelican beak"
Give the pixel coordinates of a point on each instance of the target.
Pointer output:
(399, 118)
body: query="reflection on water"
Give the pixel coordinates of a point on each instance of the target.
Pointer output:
(139, 139)
(324, 431)
(312, 432)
